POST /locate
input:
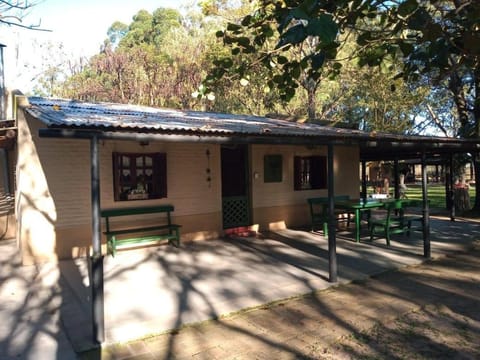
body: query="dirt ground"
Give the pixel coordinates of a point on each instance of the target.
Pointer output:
(433, 332)
(447, 329)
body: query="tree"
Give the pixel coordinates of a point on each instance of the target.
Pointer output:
(443, 43)
(297, 42)
(149, 28)
(12, 14)
(436, 39)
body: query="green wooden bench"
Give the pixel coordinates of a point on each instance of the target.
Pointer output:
(117, 238)
(319, 212)
(411, 218)
(391, 223)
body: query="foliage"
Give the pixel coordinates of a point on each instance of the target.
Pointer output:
(384, 31)
(159, 60)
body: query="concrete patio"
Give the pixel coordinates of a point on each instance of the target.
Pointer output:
(153, 290)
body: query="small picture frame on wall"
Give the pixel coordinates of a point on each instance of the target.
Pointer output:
(272, 168)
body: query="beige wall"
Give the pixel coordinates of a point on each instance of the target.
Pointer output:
(53, 201)
(275, 204)
(53, 189)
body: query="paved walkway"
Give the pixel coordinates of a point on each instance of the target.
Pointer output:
(310, 326)
(30, 302)
(45, 309)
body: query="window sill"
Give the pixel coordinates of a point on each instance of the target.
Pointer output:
(137, 196)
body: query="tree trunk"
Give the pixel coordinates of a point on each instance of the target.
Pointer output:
(311, 90)
(456, 87)
(476, 118)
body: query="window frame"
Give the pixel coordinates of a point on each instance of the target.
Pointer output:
(138, 165)
(310, 172)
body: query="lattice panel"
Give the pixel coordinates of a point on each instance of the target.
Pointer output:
(235, 212)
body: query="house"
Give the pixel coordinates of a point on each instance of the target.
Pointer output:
(219, 171)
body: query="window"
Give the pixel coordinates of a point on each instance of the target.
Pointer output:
(310, 172)
(272, 168)
(139, 176)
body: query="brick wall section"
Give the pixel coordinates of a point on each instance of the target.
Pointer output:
(278, 205)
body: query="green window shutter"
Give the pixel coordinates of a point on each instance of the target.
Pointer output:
(297, 173)
(272, 168)
(318, 172)
(160, 175)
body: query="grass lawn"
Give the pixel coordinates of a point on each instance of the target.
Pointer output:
(436, 194)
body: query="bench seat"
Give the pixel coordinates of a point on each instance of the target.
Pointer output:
(319, 214)
(118, 238)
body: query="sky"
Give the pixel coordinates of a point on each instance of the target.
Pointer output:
(80, 25)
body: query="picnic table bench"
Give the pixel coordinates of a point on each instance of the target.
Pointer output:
(122, 237)
(319, 214)
(396, 221)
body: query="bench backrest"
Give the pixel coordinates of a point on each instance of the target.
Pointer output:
(324, 200)
(314, 202)
(107, 213)
(136, 210)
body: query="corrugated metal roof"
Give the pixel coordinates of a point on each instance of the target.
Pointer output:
(135, 120)
(108, 116)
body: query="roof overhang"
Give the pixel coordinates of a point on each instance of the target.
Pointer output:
(77, 120)
(404, 150)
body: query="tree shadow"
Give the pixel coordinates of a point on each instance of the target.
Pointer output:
(30, 310)
(206, 280)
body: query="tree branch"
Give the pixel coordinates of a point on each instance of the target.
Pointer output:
(436, 120)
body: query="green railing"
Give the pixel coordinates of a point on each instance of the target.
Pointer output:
(236, 211)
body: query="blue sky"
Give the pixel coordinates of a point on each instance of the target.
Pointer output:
(80, 25)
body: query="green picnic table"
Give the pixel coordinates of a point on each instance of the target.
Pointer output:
(359, 206)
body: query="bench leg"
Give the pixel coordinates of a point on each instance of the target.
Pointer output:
(111, 245)
(177, 238)
(176, 241)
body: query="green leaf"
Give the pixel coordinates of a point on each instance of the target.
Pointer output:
(277, 79)
(267, 30)
(471, 41)
(337, 66)
(289, 93)
(398, 76)
(227, 62)
(243, 41)
(219, 34)
(406, 48)
(299, 13)
(282, 60)
(233, 27)
(296, 34)
(419, 20)
(432, 32)
(364, 38)
(407, 7)
(324, 27)
(246, 20)
(259, 40)
(296, 71)
(318, 60)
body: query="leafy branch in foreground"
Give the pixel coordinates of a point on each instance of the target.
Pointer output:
(12, 14)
